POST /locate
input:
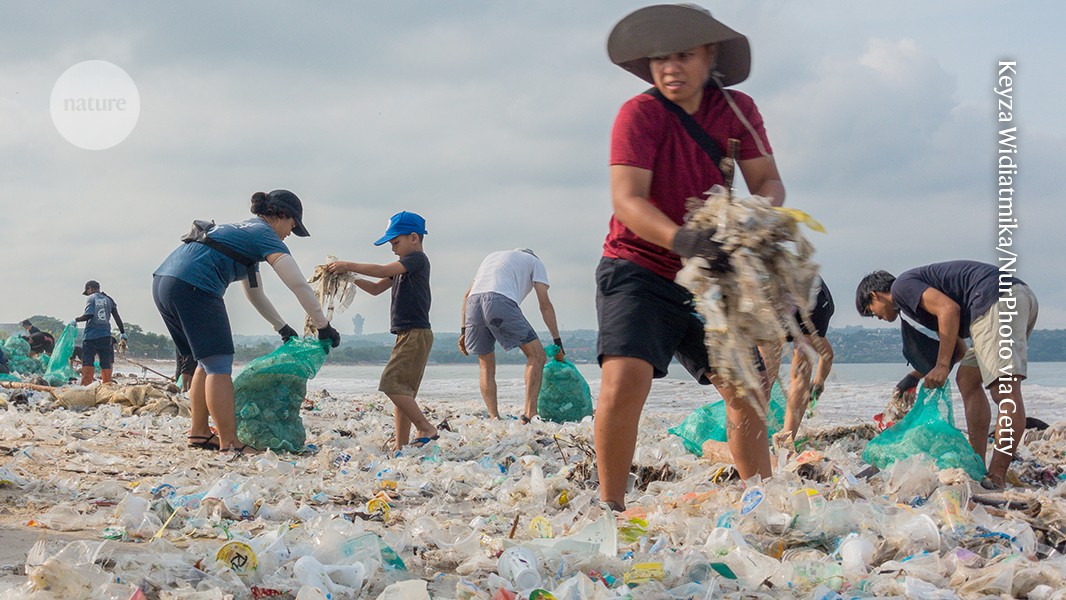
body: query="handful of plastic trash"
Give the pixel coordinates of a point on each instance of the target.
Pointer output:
(753, 302)
(269, 392)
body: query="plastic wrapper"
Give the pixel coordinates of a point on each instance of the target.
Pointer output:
(564, 393)
(269, 392)
(929, 428)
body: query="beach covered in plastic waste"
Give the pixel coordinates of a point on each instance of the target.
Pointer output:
(496, 509)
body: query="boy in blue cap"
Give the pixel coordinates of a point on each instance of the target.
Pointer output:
(408, 278)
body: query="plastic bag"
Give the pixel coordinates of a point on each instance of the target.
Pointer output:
(269, 392)
(708, 422)
(564, 393)
(19, 360)
(59, 371)
(929, 428)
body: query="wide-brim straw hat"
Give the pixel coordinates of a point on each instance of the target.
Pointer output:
(663, 29)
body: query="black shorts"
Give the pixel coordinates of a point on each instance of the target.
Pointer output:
(821, 313)
(98, 347)
(646, 316)
(196, 320)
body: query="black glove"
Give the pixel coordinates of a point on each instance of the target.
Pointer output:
(697, 242)
(909, 381)
(287, 333)
(329, 333)
(558, 342)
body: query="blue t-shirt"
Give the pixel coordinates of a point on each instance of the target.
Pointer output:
(973, 285)
(410, 294)
(100, 306)
(212, 271)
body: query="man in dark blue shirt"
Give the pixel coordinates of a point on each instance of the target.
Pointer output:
(966, 299)
(99, 309)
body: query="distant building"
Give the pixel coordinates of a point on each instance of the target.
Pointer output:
(357, 323)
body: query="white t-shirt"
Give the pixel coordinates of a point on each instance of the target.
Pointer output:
(511, 273)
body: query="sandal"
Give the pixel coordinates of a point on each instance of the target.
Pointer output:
(204, 442)
(422, 441)
(524, 419)
(244, 450)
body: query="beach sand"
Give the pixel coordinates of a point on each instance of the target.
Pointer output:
(448, 510)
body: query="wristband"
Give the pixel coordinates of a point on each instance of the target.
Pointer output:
(558, 342)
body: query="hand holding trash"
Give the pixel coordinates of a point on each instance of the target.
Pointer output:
(331, 334)
(690, 242)
(936, 378)
(909, 382)
(816, 391)
(287, 333)
(561, 354)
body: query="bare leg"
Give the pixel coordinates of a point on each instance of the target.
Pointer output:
(1010, 425)
(624, 389)
(219, 392)
(535, 360)
(487, 362)
(407, 413)
(198, 405)
(746, 431)
(975, 405)
(799, 392)
(771, 357)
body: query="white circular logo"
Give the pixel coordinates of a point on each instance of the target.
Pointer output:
(95, 105)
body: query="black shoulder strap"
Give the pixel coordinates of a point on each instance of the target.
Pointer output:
(199, 236)
(694, 129)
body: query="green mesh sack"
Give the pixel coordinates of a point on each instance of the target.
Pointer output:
(564, 393)
(929, 428)
(18, 357)
(708, 422)
(268, 394)
(58, 370)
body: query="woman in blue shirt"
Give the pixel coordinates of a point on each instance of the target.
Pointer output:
(188, 289)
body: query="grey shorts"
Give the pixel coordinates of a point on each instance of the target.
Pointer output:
(491, 318)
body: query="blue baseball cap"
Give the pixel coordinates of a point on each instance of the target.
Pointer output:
(403, 223)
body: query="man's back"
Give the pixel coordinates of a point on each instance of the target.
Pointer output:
(510, 273)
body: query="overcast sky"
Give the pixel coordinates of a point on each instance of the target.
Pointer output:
(492, 120)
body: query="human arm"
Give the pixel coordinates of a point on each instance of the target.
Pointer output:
(373, 288)
(118, 320)
(547, 312)
(462, 322)
(289, 273)
(825, 363)
(763, 178)
(947, 313)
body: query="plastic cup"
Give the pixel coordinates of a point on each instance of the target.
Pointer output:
(521, 567)
(856, 554)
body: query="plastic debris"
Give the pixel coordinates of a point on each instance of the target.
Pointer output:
(564, 393)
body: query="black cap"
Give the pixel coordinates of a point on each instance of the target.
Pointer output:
(292, 205)
(92, 284)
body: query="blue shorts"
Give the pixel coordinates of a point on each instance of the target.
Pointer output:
(491, 318)
(98, 347)
(196, 319)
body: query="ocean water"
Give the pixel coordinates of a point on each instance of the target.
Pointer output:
(854, 392)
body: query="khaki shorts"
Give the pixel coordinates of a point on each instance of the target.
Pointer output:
(403, 375)
(1002, 348)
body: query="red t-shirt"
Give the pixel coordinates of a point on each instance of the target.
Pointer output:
(647, 136)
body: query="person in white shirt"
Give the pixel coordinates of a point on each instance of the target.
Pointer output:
(491, 314)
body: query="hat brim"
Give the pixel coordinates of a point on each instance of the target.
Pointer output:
(299, 229)
(664, 29)
(385, 239)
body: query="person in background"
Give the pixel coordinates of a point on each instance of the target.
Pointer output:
(963, 299)
(645, 318)
(40, 341)
(491, 313)
(188, 288)
(408, 278)
(98, 343)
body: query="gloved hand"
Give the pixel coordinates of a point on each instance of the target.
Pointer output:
(816, 391)
(287, 333)
(691, 242)
(562, 353)
(909, 381)
(72, 323)
(123, 337)
(331, 334)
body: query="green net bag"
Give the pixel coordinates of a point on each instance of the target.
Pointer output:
(18, 357)
(929, 428)
(58, 370)
(708, 422)
(564, 393)
(268, 394)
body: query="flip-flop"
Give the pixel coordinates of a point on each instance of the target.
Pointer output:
(244, 450)
(524, 419)
(422, 441)
(203, 442)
